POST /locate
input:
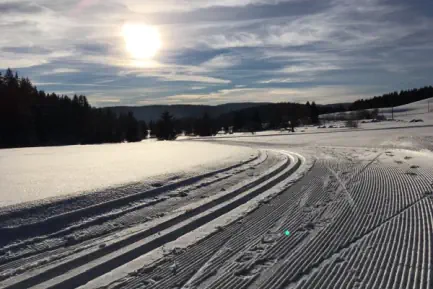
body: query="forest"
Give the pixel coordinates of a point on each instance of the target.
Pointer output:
(393, 99)
(31, 117)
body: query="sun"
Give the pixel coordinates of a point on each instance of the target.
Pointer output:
(142, 41)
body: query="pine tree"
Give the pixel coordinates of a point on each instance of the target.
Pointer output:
(314, 113)
(143, 130)
(256, 122)
(29, 117)
(308, 110)
(164, 129)
(132, 128)
(152, 128)
(292, 116)
(238, 121)
(204, 126)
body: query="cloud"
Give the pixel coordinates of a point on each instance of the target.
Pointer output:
(287, 80)
(61, 71)
(27, 50)
(93, 48)
(187, 78)
(12, 60)
(191, 5)
(78, 84)
(225, 11)
(323, 94)
(222, 61)
(102, 101)
(308, 67)
(329, 49)
(19, 8)
(241, 39)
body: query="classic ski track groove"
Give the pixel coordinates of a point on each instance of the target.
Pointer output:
(385, 242)
(279, 173)
(57, 238)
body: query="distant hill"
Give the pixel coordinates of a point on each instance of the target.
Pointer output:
(334, 107)
(153, 112)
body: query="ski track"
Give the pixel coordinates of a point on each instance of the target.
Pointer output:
(267, 166)
(385, 241)
(356, 220)
(99, 226)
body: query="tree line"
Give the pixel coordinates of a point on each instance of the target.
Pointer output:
(32, 117)
(290, 115)
(393, 99)
(270, 116)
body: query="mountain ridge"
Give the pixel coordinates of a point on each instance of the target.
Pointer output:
(153, 112)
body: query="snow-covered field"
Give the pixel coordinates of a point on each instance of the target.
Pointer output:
(405, 138)
(332, 208)
(404, 113)
(403, 116)
(32, 174)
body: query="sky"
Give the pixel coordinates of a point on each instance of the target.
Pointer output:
(214, 52)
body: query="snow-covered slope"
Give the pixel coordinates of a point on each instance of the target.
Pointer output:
(31, 174)
(422, 109)
(419, 107)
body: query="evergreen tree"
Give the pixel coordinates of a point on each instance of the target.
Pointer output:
(292, 116)
(143, 129)
(238, 121)
(132, 128)
(152, 128)
(30, 117)
(314, 112)
(165, 127)
(256, 122)
(309, 110)
(393, 99)
(276, 120)
(204, 126)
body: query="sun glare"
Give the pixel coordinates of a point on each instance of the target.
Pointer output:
(142, 41)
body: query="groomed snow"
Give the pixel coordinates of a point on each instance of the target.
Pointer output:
(31, 174)
(202, 232)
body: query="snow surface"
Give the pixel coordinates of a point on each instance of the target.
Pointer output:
(204, 231)
(415, 110)
(31, 174)
(346, 165)
(402, 115)
(404, 138)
